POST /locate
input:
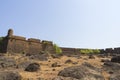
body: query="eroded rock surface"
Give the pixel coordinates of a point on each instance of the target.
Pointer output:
(116, 59)
(113, 69)
(33, 67)
(82, 72)
(9, 75)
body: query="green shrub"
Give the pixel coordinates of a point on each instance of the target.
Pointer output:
(57, 49)
(89, 51)
(96, 51)
(45, 42)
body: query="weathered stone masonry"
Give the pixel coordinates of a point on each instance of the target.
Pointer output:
(18, 44)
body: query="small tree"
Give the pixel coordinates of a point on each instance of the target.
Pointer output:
(57, 49)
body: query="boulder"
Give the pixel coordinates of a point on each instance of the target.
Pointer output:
(75, 63)
(55, 65)
(105, 60)
(10, 75)
(91, 57)
(111, 66)
(41, 57)
(101, 56)
(33, 67)
(68, 61)
(116, 77)
(6, 62)
(23, 65)
(82, 72)
(56, 55)
(116, 59)
(64, 78)
(113, 69)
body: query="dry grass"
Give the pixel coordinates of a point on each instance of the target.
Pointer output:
(47, 72)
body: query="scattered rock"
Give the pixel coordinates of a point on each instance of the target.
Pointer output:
(30, 79)
(88, 65)
(55, 65)
(75, 63)
(42, 57)
(101, 55)
(111, 72)
(53, 69)
(116, 59)
(24, 64)
(78, 56)
(85, 58)
(113, 69)
(56, 55)
(64, 78)
(49, 61)
(91, 57)
(40, 78)
(32, 67)
(105, 60)
(83, 72)
(10, 75)
(110, 66)
(116, 77)
(6, 62)
(68, 61)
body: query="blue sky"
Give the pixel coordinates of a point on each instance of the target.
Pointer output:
(69, 23)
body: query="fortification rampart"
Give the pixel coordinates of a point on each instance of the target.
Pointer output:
(19, 44)
(107, 51)
(110, 51)
(70, 50)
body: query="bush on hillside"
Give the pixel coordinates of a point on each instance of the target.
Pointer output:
(57, 49)
(89, 51)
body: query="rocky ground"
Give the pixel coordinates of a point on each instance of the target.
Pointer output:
(46, 66)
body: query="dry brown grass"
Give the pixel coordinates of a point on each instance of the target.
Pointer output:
(47, 72)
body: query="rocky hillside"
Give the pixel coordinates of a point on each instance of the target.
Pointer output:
(45, 66)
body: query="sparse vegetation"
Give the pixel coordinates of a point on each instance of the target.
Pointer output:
(45, 42)
(89, 51)
(57, 49)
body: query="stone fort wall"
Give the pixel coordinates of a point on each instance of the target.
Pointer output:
(18, 44)
(110, 51)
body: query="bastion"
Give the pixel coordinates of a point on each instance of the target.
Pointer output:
(19, 44)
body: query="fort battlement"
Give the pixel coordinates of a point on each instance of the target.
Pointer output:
(17, 38)
(34, 40)
(18, 44)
